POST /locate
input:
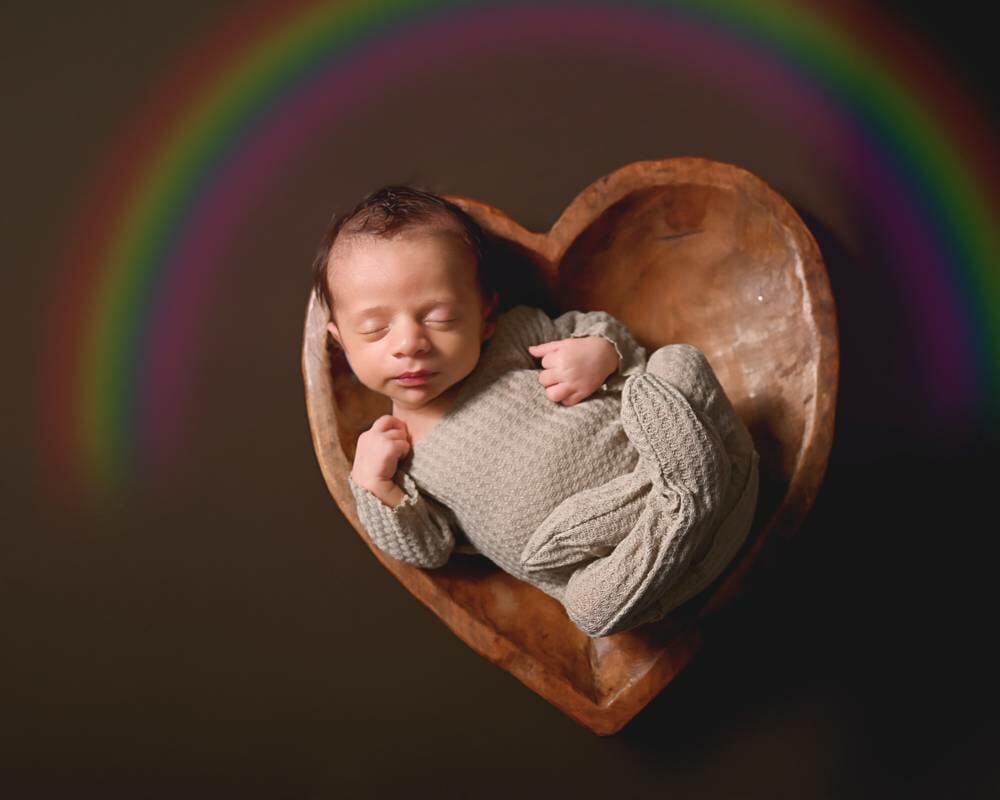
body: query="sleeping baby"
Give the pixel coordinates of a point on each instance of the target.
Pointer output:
(618, 484)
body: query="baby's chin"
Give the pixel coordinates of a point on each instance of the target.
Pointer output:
(411, 400)
(421, 393)
(414, 398)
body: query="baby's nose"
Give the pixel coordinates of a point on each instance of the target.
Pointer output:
(411, 340)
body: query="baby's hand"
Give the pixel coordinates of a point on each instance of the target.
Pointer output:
(377, 457)
(574, 368)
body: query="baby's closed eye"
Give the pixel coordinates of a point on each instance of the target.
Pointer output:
(442, 321)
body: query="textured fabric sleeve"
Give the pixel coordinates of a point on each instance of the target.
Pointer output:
(416, 531)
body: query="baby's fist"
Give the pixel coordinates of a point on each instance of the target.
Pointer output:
(378, 453)
(573, 368)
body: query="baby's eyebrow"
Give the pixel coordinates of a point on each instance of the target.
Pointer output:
(367, 312)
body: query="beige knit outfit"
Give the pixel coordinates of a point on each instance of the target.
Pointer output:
(621, 507)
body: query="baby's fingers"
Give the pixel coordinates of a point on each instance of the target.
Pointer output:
(567, 393)
(539, 350)
(548, 377)
(388, 422)
(391, 452)
(558, 392)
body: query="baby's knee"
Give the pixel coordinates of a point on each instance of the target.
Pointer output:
(688, 369)
(685, 366)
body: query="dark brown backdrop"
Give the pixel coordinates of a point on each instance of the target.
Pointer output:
(220, 631)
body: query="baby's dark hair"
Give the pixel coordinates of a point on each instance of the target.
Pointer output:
(393, 209)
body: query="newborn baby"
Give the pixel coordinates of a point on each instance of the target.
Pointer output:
(620, 485)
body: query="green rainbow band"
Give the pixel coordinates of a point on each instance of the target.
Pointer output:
(241, 96)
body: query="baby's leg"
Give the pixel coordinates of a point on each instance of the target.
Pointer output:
(591, 523)
(688, 468)
(686, 368)
(586, 525)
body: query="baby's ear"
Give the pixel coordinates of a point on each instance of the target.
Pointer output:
(490, 316)
(335, 333)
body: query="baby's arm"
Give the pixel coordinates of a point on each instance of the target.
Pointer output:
(398, 520)
(416, 531)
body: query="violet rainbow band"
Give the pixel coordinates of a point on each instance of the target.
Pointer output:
(146, 251)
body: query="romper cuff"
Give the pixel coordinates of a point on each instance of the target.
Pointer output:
(407, 532)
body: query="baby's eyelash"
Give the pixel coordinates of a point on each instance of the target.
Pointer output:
(384, 328)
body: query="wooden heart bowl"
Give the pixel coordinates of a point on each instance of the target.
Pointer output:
(680, 250)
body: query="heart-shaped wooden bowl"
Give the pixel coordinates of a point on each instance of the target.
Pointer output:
(680, 250)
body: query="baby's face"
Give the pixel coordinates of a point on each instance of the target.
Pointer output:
(410, 304)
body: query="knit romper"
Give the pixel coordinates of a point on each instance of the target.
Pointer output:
(621, 507)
